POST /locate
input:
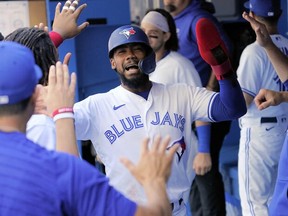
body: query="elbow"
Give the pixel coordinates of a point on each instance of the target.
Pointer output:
(242, 110)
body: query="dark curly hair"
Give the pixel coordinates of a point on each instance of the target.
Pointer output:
(45, 53)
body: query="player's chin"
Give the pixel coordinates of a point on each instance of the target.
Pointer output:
(132, 73)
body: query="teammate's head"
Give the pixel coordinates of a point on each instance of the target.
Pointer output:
(176, 6)
(40, 43)
(19, 77)
(133, 35)
(160, 28)
(268, 10)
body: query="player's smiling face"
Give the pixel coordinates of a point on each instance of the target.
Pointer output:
(126, 57)
(125, 61)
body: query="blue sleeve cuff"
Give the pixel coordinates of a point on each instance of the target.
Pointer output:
(204, 133)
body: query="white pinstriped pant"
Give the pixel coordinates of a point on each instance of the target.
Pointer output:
(259, 152)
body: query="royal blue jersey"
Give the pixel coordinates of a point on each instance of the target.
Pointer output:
(34, 181)
(186, 25)
(279, 203)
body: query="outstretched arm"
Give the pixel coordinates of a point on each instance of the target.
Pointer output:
(229, 103)
(277, 58)
(152, 172)
(60, 101)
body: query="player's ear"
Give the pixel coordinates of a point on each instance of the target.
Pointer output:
(113, 63)
(167, 35)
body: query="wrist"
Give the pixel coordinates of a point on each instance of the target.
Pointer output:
(56, 38)
(203, 134)
(65, 112)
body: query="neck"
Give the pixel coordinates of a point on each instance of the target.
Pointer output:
(147, 86)
(160, 54)
(272, 30)
(12, 124)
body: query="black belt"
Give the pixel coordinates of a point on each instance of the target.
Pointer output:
(179, 201)
(268, 120)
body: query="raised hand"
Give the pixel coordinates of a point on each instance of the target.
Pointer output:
(65, 21)
(262, 35)
(61, 88)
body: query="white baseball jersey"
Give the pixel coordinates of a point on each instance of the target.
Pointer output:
(117, 121)
(262, 132)
(175, 68)
(41, 130)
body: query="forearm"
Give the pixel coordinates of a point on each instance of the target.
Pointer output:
(158, 203)
(229, 103)
(65, 136)
(284, 96)
(279, 61)
(203, 134)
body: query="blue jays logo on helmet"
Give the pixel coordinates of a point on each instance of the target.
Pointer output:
(128, 32)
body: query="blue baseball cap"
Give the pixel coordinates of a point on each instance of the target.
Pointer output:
(264, 8)
(19, 73)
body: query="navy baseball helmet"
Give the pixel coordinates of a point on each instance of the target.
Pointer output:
(132, 34)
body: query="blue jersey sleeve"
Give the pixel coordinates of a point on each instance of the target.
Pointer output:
(229, 103)
(86, 191)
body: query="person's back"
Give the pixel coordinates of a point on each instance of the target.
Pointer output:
(35, 181)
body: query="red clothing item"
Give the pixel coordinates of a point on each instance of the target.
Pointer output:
(56, 38)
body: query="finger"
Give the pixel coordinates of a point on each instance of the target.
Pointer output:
(258, 101)
(83, 26)
(52, 76)
(73, 82)
(264, 105)
(74, 4)
(66, 76)
(59, 73)
(144, 146)
(67, 58)
(164, 144)
(46, 29)
(156, 143)
(71, 9)
(66, 6)
(172, 150)
(127, 163)
(57, 9)
(41, 26)
(79, 10)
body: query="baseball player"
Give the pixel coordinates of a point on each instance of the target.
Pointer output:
(266, 98)
(262, 132)
(139, 108)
